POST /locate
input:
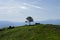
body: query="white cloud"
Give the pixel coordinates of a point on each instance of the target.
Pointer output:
(14, 7)
(13, 11)
(30, 5)
(23, 7)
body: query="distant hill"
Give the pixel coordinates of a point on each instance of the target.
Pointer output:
(54, 21)
(35, 32)
(8, 23)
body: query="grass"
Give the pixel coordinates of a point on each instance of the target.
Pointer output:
(36, 32)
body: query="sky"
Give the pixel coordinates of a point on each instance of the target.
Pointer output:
(18, 10)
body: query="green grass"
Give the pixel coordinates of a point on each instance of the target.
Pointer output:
(36, 32)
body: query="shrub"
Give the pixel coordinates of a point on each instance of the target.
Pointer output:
(37, 23)
(10, 27)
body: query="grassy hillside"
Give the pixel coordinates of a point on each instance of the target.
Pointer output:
(36, 32)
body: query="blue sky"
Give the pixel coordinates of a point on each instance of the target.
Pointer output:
(18, 10)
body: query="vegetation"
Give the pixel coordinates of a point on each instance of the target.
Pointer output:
(35, 32)
(29, 19)
(10, 27)
(37, 23)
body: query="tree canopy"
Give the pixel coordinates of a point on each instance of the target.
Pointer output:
(29, 19)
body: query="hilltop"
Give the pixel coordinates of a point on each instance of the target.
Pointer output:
(34, 32)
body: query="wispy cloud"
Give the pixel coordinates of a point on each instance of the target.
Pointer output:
(17, 9)
(12, 10)
(13, 7)
(30, 5)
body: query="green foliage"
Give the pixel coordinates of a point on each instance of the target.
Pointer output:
(36, 32)
(29, 19)
(10, 27)
(37, 23)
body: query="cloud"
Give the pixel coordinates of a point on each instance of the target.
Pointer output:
(30, 5)
(36, 1)
(13, 7)
(12, 10)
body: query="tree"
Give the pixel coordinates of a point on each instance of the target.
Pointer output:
(10, 27)
(29, 19)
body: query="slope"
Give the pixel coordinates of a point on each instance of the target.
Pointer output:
(36, 32)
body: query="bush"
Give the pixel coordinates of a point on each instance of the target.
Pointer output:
(37, 23)
(10, 27)
(1, 30)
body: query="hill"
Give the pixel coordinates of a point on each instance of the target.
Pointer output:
(8, 23)
(34, 32)
(51, 21)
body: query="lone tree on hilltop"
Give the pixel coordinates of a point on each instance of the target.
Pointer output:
(29, 19)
